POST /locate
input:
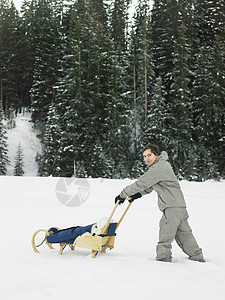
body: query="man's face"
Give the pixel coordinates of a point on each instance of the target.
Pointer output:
(149, 157)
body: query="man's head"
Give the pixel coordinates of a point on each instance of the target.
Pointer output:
(150, 153)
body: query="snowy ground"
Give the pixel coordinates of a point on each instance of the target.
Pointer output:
(129, 270)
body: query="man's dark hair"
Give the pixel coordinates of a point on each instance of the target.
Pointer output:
(154, 149)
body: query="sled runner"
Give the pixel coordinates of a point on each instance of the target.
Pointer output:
(82, 236)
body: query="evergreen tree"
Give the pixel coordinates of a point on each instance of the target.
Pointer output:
(138, 167)
(11, 123)
(179, 115)
(143, 74)
(209, 21)
(118, 106)
(28, 33)
(100, 165)
(119, 24)
(208, 93)
(217, 138)
(186, 15)
(208, 88)
(49, 160)
(156, 131)
(63, 52)
(9, 71)
(44, 76)
(4, 161)
(19, 164)
(163, 24)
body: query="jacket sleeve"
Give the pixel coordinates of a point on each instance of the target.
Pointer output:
(147, 191)
(144, 183)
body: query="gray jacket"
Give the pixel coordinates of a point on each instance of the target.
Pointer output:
(160, 178)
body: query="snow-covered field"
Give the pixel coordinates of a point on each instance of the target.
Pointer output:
(129, 270)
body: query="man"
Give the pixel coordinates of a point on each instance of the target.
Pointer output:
(174, 222)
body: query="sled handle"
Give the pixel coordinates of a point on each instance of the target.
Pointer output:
(110, 217)
(112, 213)
(123, 215)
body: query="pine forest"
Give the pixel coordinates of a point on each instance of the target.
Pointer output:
(100, 84)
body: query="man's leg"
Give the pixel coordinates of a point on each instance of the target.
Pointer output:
(167, 232)
(186, 240)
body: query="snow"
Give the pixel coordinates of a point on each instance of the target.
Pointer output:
(129, 270)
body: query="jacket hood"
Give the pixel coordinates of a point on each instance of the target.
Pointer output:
(163, 156)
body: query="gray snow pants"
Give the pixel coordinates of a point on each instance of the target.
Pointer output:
(174, 225)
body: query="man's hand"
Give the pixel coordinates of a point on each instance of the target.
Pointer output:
(119, 198)
(134, 197)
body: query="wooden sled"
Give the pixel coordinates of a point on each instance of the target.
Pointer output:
(97, 243)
